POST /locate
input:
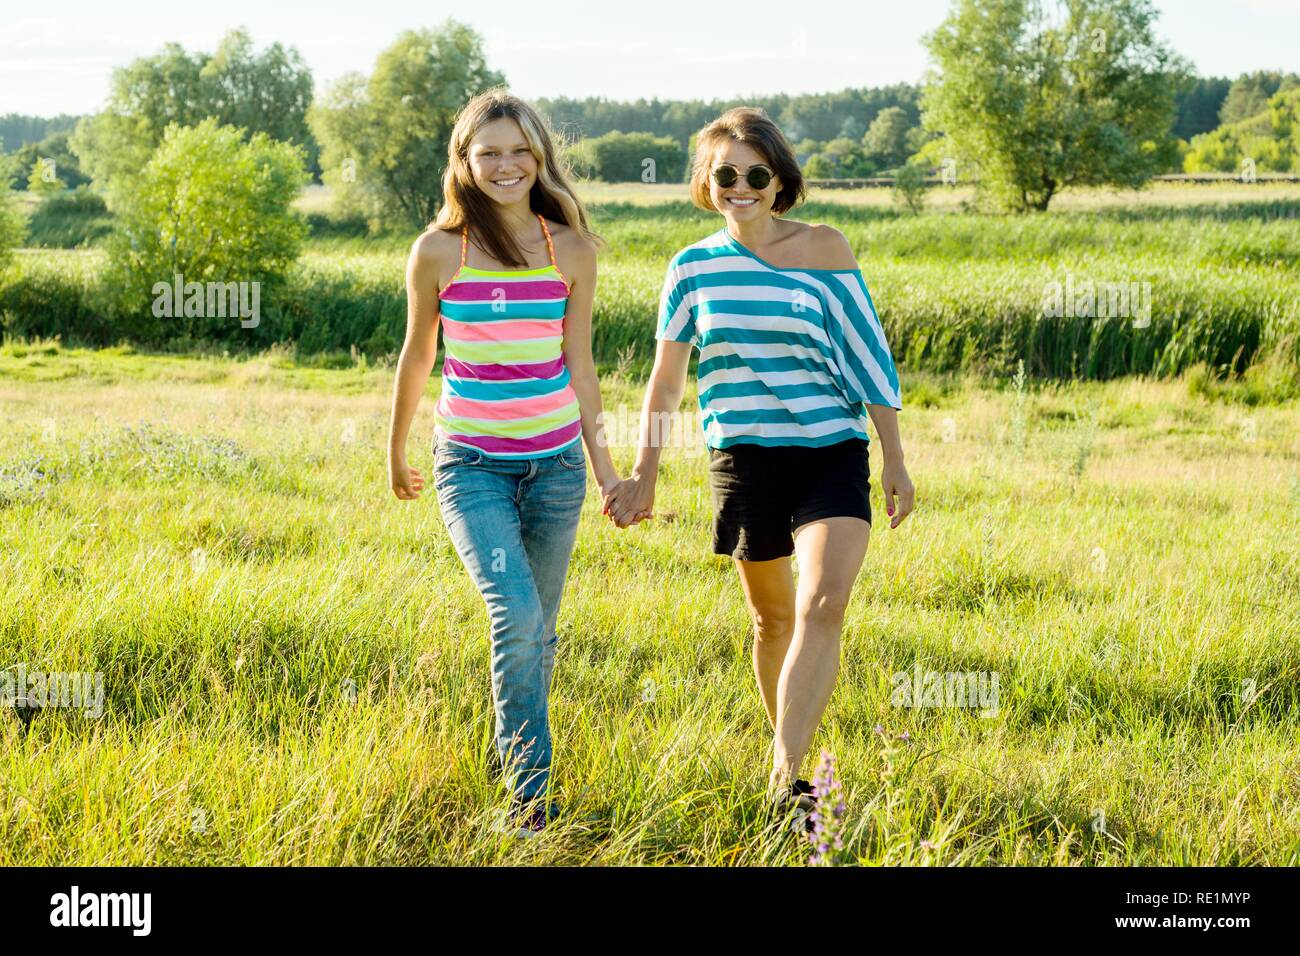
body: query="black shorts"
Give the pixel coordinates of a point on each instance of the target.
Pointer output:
(762, 493)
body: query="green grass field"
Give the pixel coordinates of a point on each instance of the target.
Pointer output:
(296, 666)
(944, 199)
(1217, 267)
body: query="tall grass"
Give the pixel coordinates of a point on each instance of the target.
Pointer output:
(956, 292)
(296, 666)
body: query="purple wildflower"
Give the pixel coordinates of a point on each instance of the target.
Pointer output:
(827, 815)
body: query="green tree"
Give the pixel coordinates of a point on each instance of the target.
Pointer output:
(1198, 101)
(13, 224)
(384, 138)
(1250, 93)
(578, 158)
(1284, 114)
(211, 206)
(840, 158)
(620, 157)
(43, 180)
(52, 149)
(886, 141)
(851, 158)
(909, 189)
(805, 150)
(818, 116)
(820, 166)
(9, 166)
(918, 137)
(267, 93)
(1041, 96)
(854, 128)
(1270, 140)
(19, 130)
(1216, 152)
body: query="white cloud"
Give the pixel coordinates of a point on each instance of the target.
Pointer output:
(1272, 8)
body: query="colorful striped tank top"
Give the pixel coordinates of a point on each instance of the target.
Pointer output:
(505, 387)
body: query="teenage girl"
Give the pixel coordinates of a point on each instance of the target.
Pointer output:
(509, 269)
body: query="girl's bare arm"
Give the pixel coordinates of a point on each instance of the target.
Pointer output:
(424, 269)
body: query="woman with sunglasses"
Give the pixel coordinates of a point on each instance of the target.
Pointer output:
(793, 360)
(509, 269)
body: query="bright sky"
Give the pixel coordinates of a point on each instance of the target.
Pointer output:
(619, 49)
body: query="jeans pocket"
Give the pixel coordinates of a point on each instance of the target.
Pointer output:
(573, 458)
(449, 455)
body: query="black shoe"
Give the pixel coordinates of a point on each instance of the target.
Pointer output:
(530, 823)
(528, 818)
(26, 709)
(794, 804)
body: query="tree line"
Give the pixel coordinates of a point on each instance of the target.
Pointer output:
(1024, 98)
(850, 133)
(1202, 105)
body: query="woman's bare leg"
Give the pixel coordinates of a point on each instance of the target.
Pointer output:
(830, 553)
(769, 592)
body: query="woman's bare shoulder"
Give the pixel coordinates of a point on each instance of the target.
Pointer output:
(819, 246)
(563, 232)
(435, 257)
(571, 243)
(829, 248)
(436, 244)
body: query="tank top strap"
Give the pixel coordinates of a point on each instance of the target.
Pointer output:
(464, 243)
(550, 246)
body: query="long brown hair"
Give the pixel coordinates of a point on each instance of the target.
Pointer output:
(552, 195)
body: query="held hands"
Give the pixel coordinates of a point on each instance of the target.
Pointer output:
(897, 485)
(630, 501)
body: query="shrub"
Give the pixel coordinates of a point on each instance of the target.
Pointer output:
(13, 224)
(70, 219)
(211, 208)
(633, 157)
(909, 189)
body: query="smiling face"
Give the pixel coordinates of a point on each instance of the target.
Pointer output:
(501, 161)
(741, 202)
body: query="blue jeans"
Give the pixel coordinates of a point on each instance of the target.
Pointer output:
(513, 522)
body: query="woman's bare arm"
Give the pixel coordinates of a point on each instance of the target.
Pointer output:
(634, 498)
(580, 268)
(425, 267)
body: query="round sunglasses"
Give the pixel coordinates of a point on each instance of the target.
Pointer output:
(727, 175)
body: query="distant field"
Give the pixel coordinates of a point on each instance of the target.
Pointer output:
(317, 198)
(295, 666)
(1203, 276)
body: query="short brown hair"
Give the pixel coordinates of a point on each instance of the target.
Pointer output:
(749, 125)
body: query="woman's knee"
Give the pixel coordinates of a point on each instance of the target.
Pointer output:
(518, 622)
(773, 622)
(824, 606)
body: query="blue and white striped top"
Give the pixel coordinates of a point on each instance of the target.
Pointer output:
(787, 356)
